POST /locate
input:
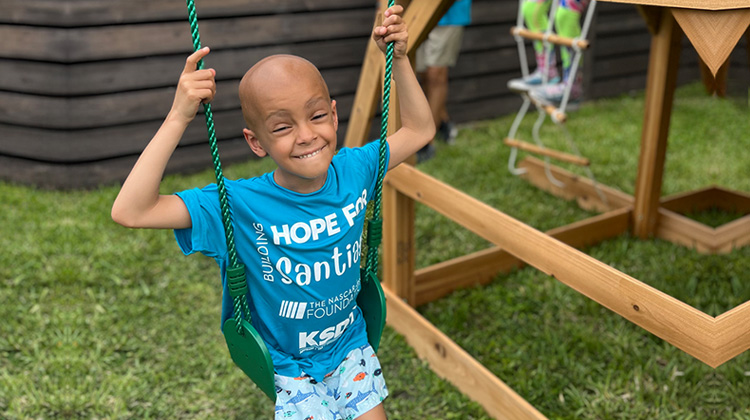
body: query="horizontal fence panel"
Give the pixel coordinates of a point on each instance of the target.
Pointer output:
(129, 107)
(87, 83)
(160, 71)
(130, 139)
(140, 40)
(97, 12)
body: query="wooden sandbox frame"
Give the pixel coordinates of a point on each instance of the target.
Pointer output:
(712, 340)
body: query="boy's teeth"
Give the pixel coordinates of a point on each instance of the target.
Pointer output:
(310, 155)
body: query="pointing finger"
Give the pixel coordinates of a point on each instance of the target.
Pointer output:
(192, 61)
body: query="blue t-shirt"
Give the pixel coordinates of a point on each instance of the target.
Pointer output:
(458, 15)
(302, 257)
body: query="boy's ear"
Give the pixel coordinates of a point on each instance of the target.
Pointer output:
(334, 115)
(253, 142)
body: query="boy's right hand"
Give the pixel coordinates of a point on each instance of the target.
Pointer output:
(195, 87)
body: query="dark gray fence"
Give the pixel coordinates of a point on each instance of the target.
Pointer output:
(84, 84)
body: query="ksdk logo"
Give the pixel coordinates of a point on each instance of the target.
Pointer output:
(317, 339)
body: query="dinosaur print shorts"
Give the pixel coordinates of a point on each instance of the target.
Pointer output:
(352, 389)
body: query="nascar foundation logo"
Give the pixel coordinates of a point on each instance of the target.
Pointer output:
(292, 310)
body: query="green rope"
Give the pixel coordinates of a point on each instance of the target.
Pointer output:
(374, 225)
(236, 270)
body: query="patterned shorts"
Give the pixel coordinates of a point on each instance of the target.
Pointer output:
(355, 387)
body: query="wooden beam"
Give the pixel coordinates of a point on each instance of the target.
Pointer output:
(733, 235)
(682, 230)
(692, 201)
(366, 98)
(449, 361)
(554, 154)
(398, 243)
(676, 322)
(732, 336)
(688, 4)
(576, 187)
(552, 38)
(662, 80)
(481, 267)
(652, 16)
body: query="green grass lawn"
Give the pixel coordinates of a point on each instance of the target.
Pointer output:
(103, 322)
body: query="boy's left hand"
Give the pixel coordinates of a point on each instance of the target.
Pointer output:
(393, 29)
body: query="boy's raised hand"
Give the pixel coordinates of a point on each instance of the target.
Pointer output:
(393, 29)
(195, 87)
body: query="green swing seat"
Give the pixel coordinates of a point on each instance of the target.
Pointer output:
(247, 349)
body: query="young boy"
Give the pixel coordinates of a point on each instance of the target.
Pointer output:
(298, 229)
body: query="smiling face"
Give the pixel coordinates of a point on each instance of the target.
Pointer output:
(291, 118)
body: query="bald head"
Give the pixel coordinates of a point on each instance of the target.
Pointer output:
(265, 78)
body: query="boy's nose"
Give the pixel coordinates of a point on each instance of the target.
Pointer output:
(305, 133)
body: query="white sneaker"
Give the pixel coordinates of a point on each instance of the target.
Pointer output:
(553, 95)
(533, 80)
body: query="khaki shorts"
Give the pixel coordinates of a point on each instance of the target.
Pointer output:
(441, 48)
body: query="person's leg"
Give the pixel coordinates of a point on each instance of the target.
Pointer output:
(568, 25)
(536, 16)
(361, 387)
(436, 90)
(377, 413)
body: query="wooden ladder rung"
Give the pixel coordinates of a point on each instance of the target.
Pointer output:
(552, 38)
(557, 115)
(555, 154)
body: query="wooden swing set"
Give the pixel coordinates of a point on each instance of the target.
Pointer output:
(714, 27)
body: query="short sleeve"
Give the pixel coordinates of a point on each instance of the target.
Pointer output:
(207, 232)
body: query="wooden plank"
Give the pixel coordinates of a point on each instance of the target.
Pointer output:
(679, 324)
(661, 83)
(163, 71)
(733, 235)
(714, 34)
(477, 268)
(185, 159)
(652, 16)
(398, 244)
(554, 154)
(454, 364)
(95, 12)
(689, 4)
(681, 230)
(576, 187)
(72, 45)
(481, 267)
(117, 108)
(694, 201)
(552, 39)
(76, 146)
(367, 96)
(732, 333)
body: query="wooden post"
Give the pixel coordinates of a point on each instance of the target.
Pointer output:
(399, 214)
(398, 244)
(660, 87)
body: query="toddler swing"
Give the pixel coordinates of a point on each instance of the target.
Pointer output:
(557, 114)
(246, 347)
